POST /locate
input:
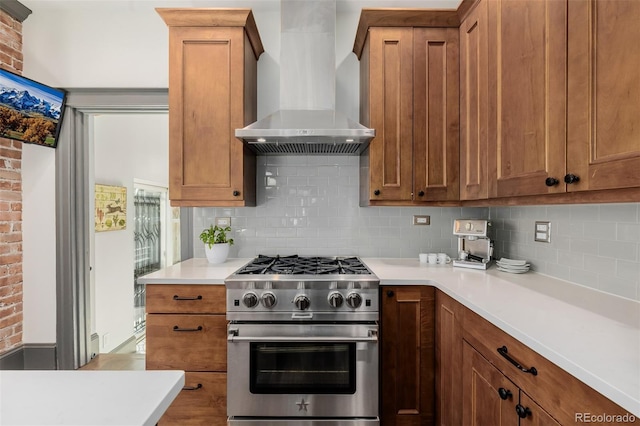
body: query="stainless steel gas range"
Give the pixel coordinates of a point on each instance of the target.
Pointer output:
(302, 342)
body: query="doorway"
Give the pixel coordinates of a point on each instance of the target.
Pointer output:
(75, 213)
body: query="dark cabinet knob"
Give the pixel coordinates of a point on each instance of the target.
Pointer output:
(522, 411)
(551, 181)
(571, 178)
(376, 192)
(421, 194)
(504, 393)
(236, 193)
(390, 293)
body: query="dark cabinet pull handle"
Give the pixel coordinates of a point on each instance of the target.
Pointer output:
(376, 192)
(236, 193)
(390, 293)
(551, 181)
(176, 328)
(421, 194)
(192, 388)
(505, 353)
(522, 411)
(504, 393)
(571, 178)
(176, 297)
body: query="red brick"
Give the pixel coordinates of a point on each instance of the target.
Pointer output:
(16, 206)
(10, 175)
(9, 216)
(8, 259)
(10, 152)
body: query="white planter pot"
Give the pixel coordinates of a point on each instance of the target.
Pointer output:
(217, 253)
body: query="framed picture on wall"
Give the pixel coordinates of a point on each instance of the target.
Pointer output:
(30, 112)
(111, 208)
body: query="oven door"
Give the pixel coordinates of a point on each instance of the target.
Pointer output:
(302, 370)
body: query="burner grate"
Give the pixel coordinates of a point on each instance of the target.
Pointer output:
(297, 265)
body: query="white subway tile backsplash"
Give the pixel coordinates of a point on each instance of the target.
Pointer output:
(596, 245)
(310, 207)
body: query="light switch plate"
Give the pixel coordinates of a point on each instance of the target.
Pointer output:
(223, 222)
(542, 232)
(421, 220)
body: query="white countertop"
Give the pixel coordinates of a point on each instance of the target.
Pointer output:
(87, 398)
(194, 271)
(593, 335)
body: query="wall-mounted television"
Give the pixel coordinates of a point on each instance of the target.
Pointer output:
(30, 112)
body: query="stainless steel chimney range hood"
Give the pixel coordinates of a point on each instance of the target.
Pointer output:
(307, 122)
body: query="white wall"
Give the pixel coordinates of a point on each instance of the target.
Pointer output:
(39, 244)
(126, 147)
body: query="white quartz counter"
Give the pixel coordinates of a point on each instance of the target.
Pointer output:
(105, 398)
(593, 335)
(194, 271)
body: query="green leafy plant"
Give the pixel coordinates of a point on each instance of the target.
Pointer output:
(216, 235)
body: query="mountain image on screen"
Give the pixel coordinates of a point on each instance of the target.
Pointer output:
(22, 100)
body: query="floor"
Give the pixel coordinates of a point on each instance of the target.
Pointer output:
(131, 361)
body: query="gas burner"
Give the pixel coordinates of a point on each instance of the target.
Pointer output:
(298, 265)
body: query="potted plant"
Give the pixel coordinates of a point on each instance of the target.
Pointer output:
(216, 243)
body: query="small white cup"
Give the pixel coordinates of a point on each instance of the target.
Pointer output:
(432, 258)
(443, 258)
(423, 257)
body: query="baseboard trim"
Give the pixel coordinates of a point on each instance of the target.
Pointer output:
(30, 356)
(12, 359)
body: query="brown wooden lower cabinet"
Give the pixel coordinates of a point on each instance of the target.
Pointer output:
(492, 399)
(187, 330)
(202, 401)
(407, 356)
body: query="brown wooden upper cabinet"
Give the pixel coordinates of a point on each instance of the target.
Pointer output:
(213, 55)
(409, 93)
(549, 92)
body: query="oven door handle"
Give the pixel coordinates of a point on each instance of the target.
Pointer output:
(233, 337)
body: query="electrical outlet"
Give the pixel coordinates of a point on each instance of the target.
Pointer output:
(223, 222)
(421, 220)
(543, 231)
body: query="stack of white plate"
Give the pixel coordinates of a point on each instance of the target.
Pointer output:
(513, 266)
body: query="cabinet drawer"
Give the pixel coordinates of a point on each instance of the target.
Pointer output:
(186, 299)
(560, 393)
(186, 342)
(202, 401)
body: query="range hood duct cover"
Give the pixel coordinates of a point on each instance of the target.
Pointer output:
(307, 122)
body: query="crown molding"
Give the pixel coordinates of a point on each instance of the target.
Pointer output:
(15, 9)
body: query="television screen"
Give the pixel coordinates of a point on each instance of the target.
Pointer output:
(30, 112)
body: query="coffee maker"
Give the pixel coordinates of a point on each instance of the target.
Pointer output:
(475, 248)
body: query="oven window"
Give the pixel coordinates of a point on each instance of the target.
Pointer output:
(303, 367)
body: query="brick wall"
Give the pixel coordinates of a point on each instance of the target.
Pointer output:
(10, 203)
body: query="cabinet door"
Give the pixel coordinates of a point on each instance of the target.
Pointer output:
(206, 105)
(448, 360)
(489, 398)
(603, 93)
(407, 378)
(391, 108)
(536, 416)
(202, 401)
(527, 80)
(474, 104)
(436, 114)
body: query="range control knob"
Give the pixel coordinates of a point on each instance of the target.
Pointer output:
(354, 300)
(302, 302)
(335, 299)
(269, 299)
(468, 226)
(250, 299)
